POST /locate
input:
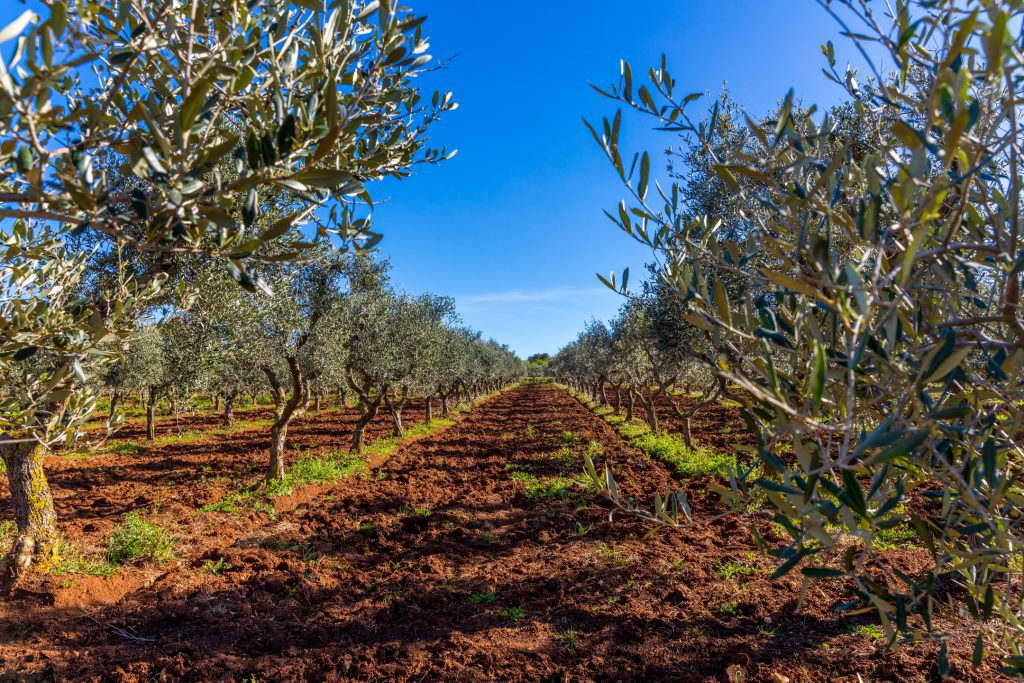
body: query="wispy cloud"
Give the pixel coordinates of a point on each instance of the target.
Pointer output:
(553, 295)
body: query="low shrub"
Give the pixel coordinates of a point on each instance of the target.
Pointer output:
(138, 540)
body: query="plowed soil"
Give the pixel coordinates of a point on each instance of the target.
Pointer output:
(468, 555)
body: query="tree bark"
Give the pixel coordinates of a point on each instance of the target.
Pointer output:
(369, 411)
(430, 409)
(278, 436)
(115, 403)
(151, 415)
(33, 507)
(652, 414)
(229, 409)
(631, 404)
(286, 408)
(395, 407)
(444, 405)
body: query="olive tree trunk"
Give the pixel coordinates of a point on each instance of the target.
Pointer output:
(151, 415)
(369, 411)
(33, 507)
(115, 403)
(286, 408)
(229, 409)
(395, 407)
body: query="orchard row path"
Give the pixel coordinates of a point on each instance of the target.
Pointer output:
(478, 554)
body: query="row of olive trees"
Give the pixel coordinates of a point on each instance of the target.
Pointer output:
(643, 356)
(138, 138)
(335, 326)
(855, 275)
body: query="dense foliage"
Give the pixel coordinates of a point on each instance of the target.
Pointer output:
(853, 275)
(139, 140)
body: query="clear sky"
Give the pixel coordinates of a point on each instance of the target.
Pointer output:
(512, 227)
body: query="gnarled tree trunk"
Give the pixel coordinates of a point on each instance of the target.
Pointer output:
(115, 403)
(286, 408)
(34, 515)
(229, 409)
(278, 437)
(395, 407)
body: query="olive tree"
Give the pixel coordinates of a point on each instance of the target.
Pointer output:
(867, 309)
(166, 128)
(390, 341)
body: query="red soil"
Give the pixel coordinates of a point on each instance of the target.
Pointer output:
(375, 578)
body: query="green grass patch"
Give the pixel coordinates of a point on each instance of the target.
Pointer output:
(568, 438)
(217, 567)
(138, 540)
(870, 631)
(548, 488)
(483, 597)
(727, 571)
(250, 499)
(669, 448)
(513, 614)
(71, 560)
(618, 557)
(673, 451)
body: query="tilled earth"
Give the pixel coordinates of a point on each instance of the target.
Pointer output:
(473, 554)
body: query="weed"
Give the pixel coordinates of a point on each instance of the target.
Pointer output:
(899, 536)
(871, 631)
(126, 448)
(582, 530)
(136, 539)
(513, 614)
(730, 608)
(70, 560)
(529, 430)
(8, 530)
(217, 566)
(612, 555)
(490, 538)
(566, 639)
(568, 438)
(235, 502)
(367, 527)
(484, 597)
(549, 488)
(679, 566)
(727, 571)
(416, 511)
(688, 462)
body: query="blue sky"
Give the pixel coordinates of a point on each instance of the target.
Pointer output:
(512, 227)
